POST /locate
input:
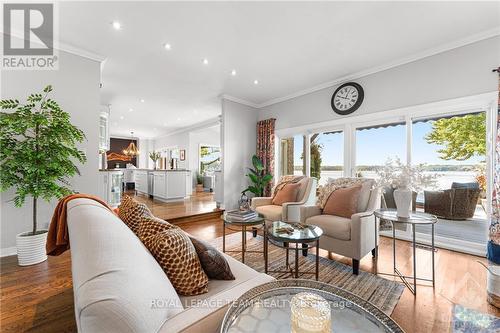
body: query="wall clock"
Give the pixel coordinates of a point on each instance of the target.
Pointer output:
(347, 98)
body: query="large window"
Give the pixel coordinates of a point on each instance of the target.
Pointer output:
(376, 144)
(454, 149)
(327, 156)
(292, 159)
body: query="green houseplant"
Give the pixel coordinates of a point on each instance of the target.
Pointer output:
(258, 177)
(38, 152)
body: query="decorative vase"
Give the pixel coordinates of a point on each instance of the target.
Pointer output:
(402, 198)
(244, 202)
(31, 248)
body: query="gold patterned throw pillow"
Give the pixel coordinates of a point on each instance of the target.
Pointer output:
(131, 212)
(177, 256)
(150, 226)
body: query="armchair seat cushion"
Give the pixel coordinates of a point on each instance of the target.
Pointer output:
(270, 212)
(332, 226)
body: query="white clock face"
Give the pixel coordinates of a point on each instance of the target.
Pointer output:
(345, 98)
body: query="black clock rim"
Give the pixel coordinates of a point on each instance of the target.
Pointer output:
(356, 105)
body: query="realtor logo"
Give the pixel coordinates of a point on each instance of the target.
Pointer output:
(29, 30)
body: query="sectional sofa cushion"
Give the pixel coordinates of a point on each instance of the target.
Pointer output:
(213, 262)
(177, 256)
(118, 286)
(131, 212)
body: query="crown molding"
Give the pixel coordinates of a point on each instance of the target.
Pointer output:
(402, 61)
(204, 124)
(240, 101)
(65, 47)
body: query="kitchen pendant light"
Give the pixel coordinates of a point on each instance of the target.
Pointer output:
(131, 150)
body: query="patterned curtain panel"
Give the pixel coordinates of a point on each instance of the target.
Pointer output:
(265, 147)
(494, 242)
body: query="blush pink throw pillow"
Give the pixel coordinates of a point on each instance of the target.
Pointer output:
(287, 194)
(343, 202)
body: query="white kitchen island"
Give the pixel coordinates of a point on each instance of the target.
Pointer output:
(167, 185)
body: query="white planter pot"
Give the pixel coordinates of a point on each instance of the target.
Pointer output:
(402, 198)
(31, 248)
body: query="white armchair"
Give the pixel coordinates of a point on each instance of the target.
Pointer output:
(351, 237)
(289, 211)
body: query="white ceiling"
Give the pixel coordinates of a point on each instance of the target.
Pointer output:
(286, 46)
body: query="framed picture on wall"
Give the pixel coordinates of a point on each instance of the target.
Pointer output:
(182, 155)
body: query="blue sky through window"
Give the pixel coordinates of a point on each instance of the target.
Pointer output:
(374, 146)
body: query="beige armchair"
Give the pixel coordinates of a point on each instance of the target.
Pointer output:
(351, 237)
(289, 211)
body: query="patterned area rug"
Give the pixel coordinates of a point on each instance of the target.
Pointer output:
(382, 293)
(471, 321)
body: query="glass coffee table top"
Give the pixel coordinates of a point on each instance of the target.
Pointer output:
(266, 308)
(300, 232)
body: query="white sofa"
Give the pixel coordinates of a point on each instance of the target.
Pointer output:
(119, 287)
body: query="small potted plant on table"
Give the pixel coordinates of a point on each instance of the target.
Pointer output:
(38, 152)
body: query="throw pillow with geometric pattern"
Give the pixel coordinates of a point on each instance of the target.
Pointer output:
(131, 212)
(150, 226)
(177, 256)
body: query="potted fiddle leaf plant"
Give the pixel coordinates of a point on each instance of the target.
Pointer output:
(258, 177)
(38, 156)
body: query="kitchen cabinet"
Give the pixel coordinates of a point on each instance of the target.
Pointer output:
(104, 139)
(141, 181)
(170, 185)
(110, 187)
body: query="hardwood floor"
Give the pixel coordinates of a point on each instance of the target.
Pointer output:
(199, 203)
(39, 298)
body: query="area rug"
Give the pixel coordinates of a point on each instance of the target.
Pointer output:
(381, 292)
(466, 320)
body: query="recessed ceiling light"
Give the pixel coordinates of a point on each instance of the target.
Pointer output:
(155, 129)
(130, 110)
(233, 72)
(255, 82)
(142, 100)
(117, 25)
(122, 117)
(165, 124)
(167, 46)
(178, 119)
(205, 61)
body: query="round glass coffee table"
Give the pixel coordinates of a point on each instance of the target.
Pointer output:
(283, 234)
(242, 227)
(266, 308)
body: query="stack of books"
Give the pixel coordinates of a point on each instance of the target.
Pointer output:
(241, 215)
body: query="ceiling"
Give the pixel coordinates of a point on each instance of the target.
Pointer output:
(286, 46)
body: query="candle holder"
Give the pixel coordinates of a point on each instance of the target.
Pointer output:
(310, 314)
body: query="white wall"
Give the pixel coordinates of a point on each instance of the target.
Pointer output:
(206, 136)
(76, 89)
(239, 135)
(464, 71)
(145, 146)
(179, 140)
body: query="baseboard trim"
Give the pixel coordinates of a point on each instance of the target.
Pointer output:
(8, 251)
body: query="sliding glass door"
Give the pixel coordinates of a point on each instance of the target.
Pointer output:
(292, 157)
(376, 144)
(326, 151)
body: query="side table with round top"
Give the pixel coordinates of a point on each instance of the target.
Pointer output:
(415, 218)
(242, 225)
(299, 234)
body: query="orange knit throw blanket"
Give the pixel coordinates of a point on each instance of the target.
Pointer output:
(58, 236)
